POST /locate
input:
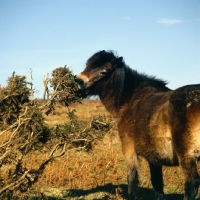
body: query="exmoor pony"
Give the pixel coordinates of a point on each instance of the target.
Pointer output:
(155, 122)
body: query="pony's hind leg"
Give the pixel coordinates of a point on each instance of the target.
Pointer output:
(192, 179)
(157, 181)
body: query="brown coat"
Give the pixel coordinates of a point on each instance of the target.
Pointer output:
(160, 124)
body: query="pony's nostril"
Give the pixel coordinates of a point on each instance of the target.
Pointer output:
(78, 80)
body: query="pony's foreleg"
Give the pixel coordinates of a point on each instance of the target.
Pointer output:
(133, 180)
(157, 181)
(132, 168)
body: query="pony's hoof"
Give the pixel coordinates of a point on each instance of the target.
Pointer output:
(159, 196)
(131, 197)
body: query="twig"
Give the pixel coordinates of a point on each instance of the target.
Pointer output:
(15, 183)
(16, 123)
(19, 124)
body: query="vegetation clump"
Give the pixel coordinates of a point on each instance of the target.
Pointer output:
(24, 132)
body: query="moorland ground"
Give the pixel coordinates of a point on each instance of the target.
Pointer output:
(99, 173)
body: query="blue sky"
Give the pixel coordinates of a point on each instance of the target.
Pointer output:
(157, 37)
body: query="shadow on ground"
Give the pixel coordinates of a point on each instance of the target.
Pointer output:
(143, 193)
(107, 191)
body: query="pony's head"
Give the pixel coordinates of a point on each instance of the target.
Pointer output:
(99, 68)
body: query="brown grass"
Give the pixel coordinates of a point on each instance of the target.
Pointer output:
(101, 173)
(84, 111)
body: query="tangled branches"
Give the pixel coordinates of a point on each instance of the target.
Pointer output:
(23, 130)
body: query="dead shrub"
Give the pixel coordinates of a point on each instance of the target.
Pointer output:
(24, 133)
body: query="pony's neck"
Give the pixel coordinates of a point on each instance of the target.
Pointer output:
(112, 94)
(124, 86)
(109, 103)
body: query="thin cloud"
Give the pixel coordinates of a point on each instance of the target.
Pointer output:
(170, 21)
(127, 18)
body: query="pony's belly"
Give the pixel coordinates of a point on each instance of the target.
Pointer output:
(161, 152)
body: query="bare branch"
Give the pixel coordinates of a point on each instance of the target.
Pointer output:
(15, 184)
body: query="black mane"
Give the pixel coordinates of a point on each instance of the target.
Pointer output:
(100, 58)
(127, 81)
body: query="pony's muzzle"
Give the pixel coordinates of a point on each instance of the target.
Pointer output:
(82, 86)
(79, 81)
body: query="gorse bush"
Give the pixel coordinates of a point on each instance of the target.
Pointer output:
(21, 120)
(64, 88)
(23, 131)
(63, 82)
(12, 99)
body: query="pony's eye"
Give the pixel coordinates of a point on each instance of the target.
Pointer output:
(103, 73)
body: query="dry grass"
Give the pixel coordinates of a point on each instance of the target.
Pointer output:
(83, 111)
(82, 170)
(99, 174)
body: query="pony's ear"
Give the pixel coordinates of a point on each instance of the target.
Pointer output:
(116, 62)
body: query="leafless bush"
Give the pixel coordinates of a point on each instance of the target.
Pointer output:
(23, 130)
